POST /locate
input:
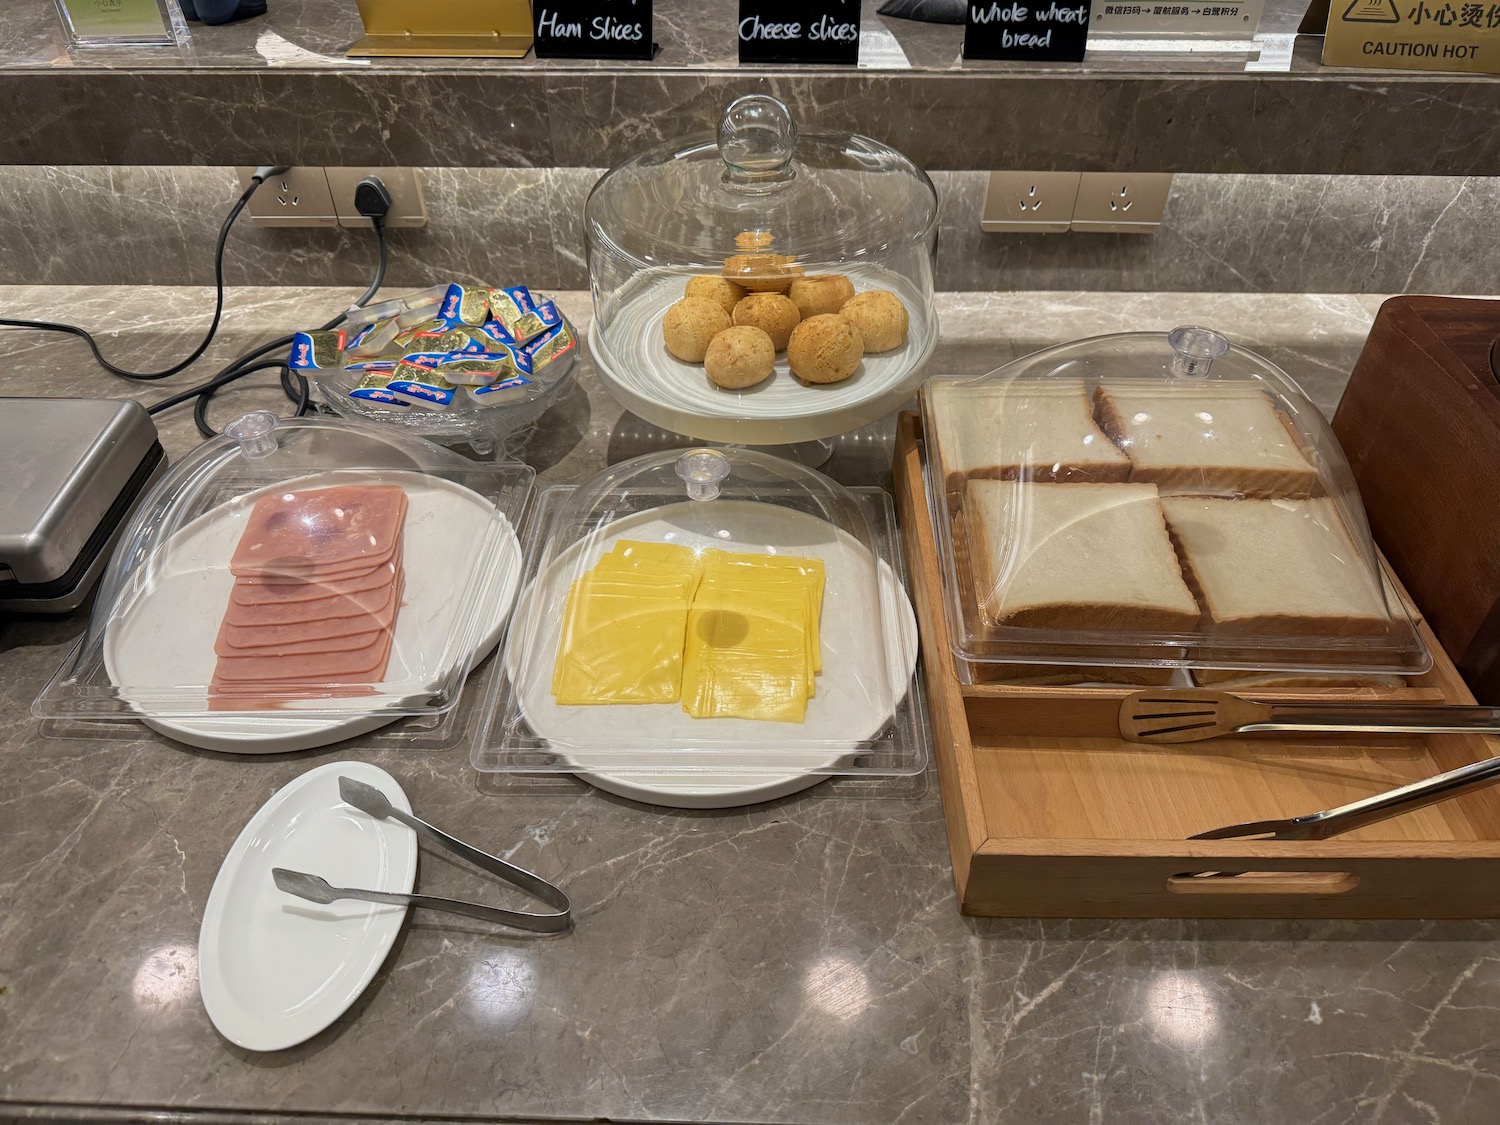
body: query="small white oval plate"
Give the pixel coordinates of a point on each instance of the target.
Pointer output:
(275, 969)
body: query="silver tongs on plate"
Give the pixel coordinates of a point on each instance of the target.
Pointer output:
(372, 801)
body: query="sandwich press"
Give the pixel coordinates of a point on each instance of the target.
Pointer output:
(73, 470)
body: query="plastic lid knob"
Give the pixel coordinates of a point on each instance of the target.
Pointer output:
(1195, 350)
(256, 433)
(703, 469)
(757, 138)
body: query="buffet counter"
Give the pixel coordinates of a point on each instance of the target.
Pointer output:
(797, 961)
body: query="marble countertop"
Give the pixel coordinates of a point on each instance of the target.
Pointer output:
(799, 961)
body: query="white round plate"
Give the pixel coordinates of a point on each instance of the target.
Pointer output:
(165, 636)
(275, 969)
(841, 714)
(649, 381)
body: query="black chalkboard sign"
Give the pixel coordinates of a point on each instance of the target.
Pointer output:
(592, 29)
(799, 31)
(1056, 30)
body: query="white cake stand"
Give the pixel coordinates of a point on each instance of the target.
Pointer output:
(650, 382)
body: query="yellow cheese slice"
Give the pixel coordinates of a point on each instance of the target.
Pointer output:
(622, 640)
(747, 654)
(722, 565)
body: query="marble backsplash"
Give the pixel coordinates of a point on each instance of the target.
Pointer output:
(1230, 233)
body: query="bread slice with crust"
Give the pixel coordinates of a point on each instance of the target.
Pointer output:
(1076, 557)
(1276, 567)
(1033, 430)
(1206, 438)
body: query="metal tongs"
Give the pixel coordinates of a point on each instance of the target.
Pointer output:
(372, 801)
(1368, 810)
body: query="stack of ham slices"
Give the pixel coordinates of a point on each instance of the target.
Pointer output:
(317, 586)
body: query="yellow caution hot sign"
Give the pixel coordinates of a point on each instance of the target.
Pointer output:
(1414, 35)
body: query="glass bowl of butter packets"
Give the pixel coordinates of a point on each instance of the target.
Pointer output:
(457, 364)
(707, 625)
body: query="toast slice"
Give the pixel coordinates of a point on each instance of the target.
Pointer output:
(1037, 430)
(1206, 438)
(1276, 567)
(1076, 557)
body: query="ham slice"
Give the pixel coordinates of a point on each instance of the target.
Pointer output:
(277, 630)
(318, 584)
(363, 664)
(319, 609)
(261, 591)
(320, 531)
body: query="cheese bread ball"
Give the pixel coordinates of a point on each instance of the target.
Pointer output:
(821, 293)
(880, 317)
(720, 290)
(689, 325)
(772, 313)
(825, 349)
(740, 357)
(763, 273)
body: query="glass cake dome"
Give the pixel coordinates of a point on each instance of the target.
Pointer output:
(296, 581)
(1158, 499)
(799, 222)
(702, 613)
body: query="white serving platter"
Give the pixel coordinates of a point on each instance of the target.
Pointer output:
(163, 638)
(274, 969)
(659, 754)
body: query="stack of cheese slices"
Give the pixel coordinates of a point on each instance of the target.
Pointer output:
(726, 635)
(317, 587)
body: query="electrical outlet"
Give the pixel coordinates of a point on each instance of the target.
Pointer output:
(298, 197)
(1029, 202)
(408, 208)
(1121, 203)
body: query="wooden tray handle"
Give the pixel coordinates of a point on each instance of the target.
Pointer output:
(1264, 883)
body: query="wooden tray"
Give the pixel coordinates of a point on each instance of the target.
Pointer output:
(1060, 825)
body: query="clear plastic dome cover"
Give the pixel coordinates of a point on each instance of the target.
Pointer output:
(299, 569)
(1154, 499)
(691, 605)
(757, 200)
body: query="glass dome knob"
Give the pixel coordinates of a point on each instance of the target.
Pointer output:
(702, 470)
(256, 433)
(757, 138)
(1195, 350)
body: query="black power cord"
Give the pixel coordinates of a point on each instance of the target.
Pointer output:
(373, 200)
(261, 175)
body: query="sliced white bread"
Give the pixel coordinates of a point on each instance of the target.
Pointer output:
(1050, 675)
(1076, 557)
(1207, 438)
(1034, 430)
(1276, 567)
(1237, 680)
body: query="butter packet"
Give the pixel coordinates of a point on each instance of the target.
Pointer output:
(520, 314)
(316, 350)
(372, 366)
(375, 389)
(470, 372)
(463, 305)
(504, 392)
(555, 342)
(422, 388)
(359, 335)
